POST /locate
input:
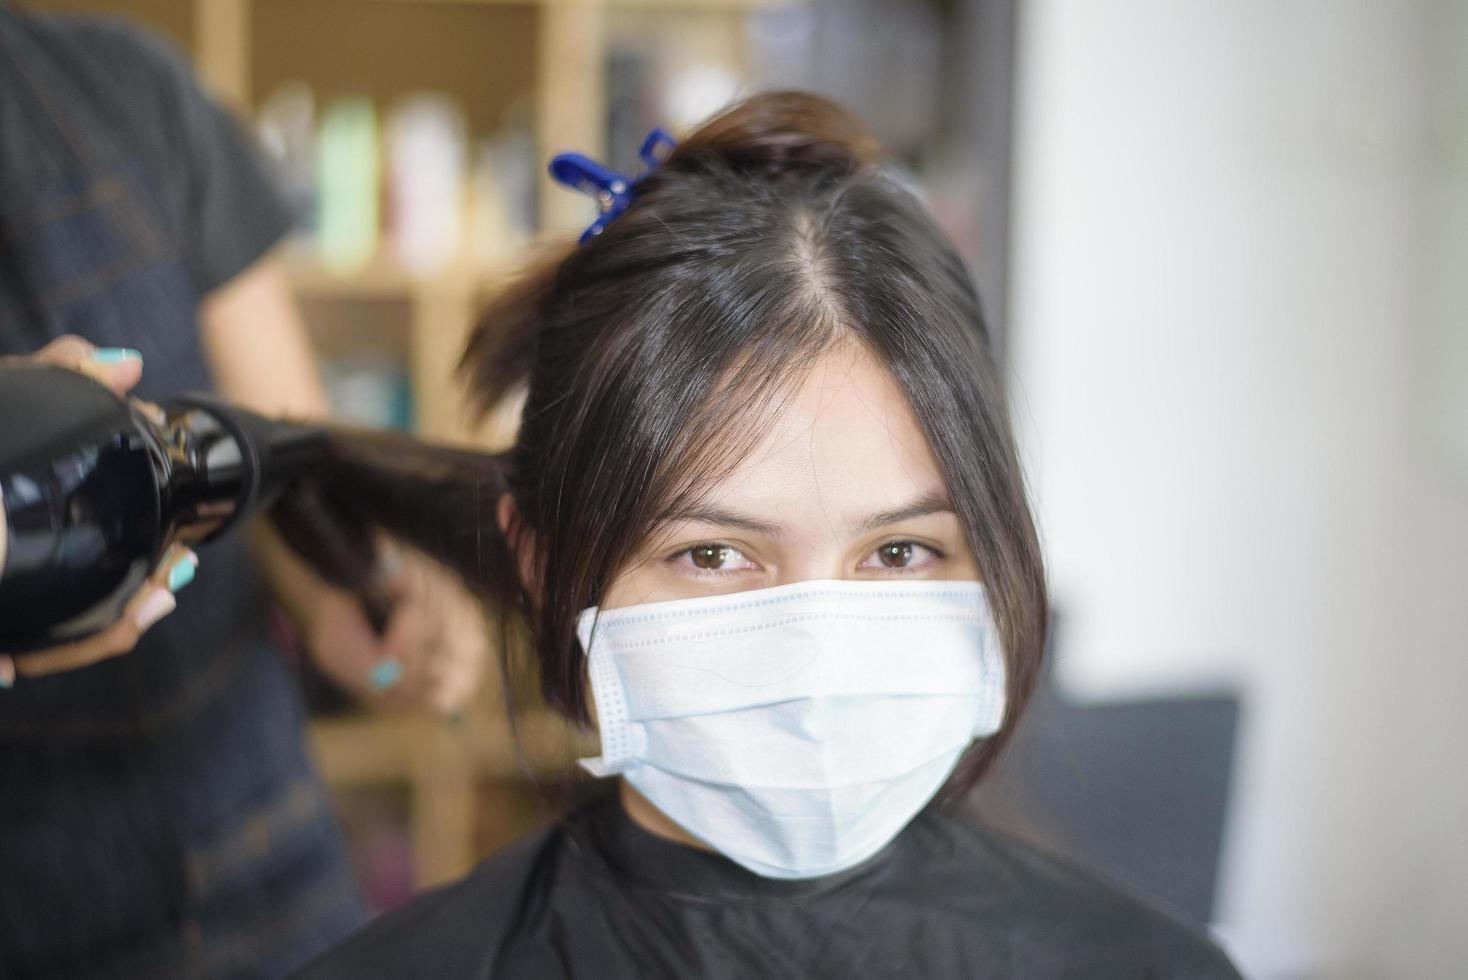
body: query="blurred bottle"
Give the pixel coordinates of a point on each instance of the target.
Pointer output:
(489, 220)
(348, 170)
(694, 91)
(513, 161)
(502, 190)
(520, 169)
(426, 165)
(287, 129)
(370, 389)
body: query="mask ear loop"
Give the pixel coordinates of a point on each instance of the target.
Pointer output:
(991, 711)
(618, 741)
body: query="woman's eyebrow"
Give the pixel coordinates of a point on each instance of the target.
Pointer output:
(932, 502)
(929, 503)
(725, 518)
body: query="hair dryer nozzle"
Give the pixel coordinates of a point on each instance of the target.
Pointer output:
(236, 450)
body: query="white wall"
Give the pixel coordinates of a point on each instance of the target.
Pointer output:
(1240, 328)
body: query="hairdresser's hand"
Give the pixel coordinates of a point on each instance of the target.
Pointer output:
(434, 649)
(118, 368)
(148, 605)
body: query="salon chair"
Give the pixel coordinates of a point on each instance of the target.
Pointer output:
(1137, 790)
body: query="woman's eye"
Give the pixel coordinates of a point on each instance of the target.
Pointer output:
(714, 558)
(901, 556)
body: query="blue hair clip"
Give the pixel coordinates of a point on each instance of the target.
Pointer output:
(612, 191)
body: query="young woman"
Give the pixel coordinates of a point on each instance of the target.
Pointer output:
(765, 529)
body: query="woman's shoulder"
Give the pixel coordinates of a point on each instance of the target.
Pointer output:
(1052, 904)
(455, 930)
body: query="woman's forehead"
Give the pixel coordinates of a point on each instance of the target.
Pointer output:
(842, 441)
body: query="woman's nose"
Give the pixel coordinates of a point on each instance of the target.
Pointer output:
(823, 561)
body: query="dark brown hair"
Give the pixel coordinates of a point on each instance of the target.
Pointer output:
(653, 353)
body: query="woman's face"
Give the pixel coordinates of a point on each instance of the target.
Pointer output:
(842, 486)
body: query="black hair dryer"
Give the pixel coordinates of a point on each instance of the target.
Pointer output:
(94, 491)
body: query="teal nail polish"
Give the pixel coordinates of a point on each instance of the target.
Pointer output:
(6, 681)
(115, 355)
(386, 674)
(181, 574)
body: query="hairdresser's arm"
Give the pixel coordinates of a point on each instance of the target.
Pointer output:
(257, 347)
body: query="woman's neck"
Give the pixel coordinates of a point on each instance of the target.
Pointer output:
(653, 820)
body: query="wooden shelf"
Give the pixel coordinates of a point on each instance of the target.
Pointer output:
(443, 765)
(385, 279)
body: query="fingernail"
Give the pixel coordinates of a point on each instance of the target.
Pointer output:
(7, 672)
(160, 603)
(389, 563)
(182, 572)
(115, 355)
(386, 674)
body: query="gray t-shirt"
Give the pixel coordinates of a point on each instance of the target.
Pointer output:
(161, 817)
(124, 88)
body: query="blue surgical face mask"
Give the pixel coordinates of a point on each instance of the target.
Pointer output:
(795, 729)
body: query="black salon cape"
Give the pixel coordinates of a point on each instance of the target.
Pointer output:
(596, 896)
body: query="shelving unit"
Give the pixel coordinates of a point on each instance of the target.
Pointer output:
(545, 57)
